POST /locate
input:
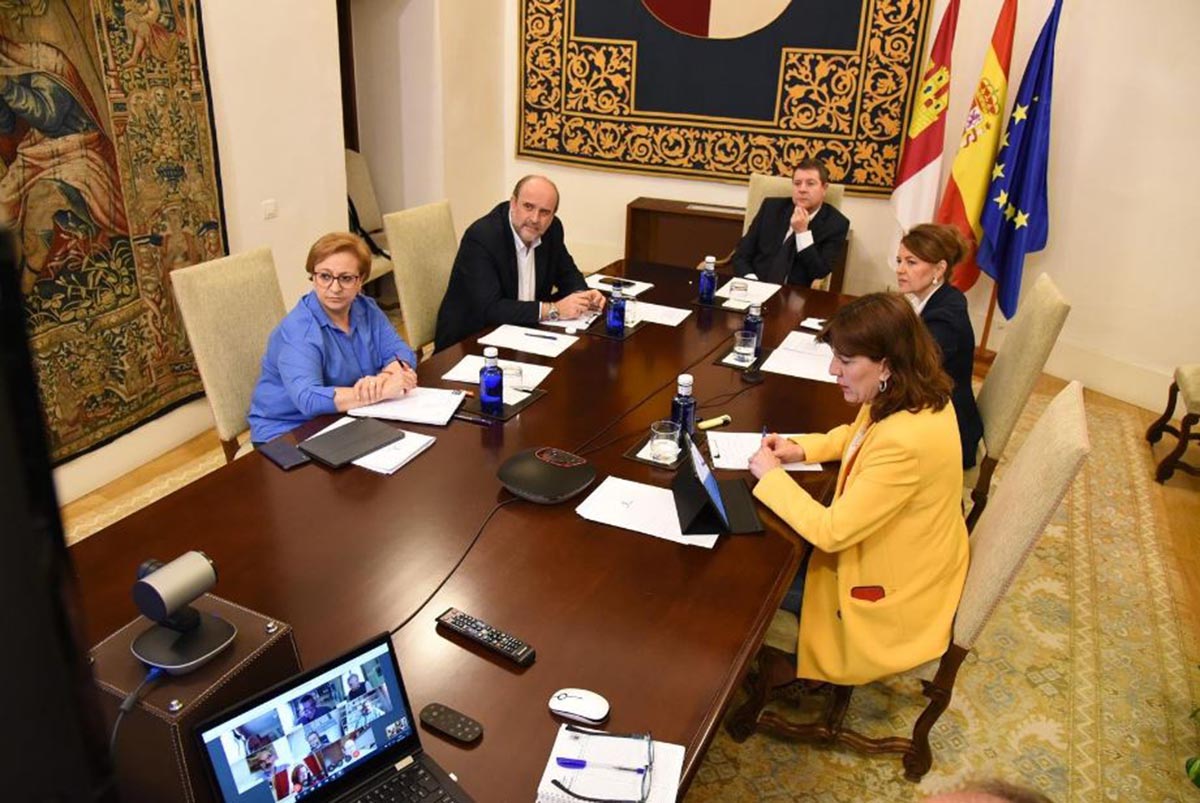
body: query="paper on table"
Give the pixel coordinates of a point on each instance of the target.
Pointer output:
(598, 281)
(733, 450)
(812, 323)
(467, 370)
(756, 292)
(603, 751)
(660, 314)
(579, 324)
(800, 355)
(392, 457)
(740, 306)
(531, 341)
(418, 406)
(639, 507)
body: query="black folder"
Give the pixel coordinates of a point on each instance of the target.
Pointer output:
(350, 441)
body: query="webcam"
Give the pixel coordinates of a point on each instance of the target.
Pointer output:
(184, 639)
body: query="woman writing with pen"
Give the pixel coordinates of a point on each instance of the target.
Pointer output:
(334, 351)
(889, 556)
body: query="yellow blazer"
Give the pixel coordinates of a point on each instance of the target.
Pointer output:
(895, 522)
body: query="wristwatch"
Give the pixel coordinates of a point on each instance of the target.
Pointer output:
(552, 313)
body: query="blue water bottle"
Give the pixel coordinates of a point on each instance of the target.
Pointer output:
(614, 321)
(683, 406)
(754, 323)
(491, 384)
(708, 280)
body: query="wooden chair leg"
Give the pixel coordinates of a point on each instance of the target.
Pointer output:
(919, 757)
(827, 731)
(979, 494)
(775, 670)
(230, 448)
(1174, 460)
(1154, 433)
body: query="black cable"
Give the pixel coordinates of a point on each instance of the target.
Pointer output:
(127, 705)
(609, 442)
(454, 568)
(724, 398)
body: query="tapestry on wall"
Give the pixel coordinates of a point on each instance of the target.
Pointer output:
(720, 88)
(109, 179)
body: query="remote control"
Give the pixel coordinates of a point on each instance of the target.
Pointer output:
(485, 635)
(447, 721)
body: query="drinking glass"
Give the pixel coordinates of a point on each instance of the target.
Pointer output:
(514, 377)
(664, 441)
(743, 347)
(631, 313)
(739, 290)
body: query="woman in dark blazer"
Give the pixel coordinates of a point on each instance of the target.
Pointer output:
(924, 264)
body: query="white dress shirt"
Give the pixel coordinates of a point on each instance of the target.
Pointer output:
(526, 267)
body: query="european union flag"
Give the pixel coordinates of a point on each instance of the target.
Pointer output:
(1016, 219)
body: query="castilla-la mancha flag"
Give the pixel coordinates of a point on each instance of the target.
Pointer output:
(920, 173)
(966, 191)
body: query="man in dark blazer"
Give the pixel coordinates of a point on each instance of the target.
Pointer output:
(513, 267)
(794, 240)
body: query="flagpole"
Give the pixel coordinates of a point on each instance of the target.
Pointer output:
(982, 355)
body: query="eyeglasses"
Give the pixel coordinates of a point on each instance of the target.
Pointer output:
(346, 280)
(643, 770)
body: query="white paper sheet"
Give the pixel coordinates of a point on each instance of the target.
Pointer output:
(756, 292)
(812, 323)
(661, 314)
(467, 370)
(531, 341)
(598, 281)
(578, 324)
(800, 355)
(733, 450)
(639, 507)
(418, 406)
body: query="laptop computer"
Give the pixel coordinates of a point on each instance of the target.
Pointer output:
(341, 732)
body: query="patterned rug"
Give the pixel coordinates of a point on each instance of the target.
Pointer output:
(1080, 686)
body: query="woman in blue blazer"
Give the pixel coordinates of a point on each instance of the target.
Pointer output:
(924, 264)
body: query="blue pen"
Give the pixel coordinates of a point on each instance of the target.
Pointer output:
(581, 764)
(542, 337)
(764, 431)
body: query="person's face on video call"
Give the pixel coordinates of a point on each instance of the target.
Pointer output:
(308, 707)
(314, 741)
(807, 189)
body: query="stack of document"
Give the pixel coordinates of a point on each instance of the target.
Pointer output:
(639, 507)
(594, 765)
(418, 406)
(390, 458)
(800, 355)
(531, 341)
(733, 450)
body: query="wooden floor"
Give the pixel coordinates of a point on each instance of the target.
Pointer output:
(1178, 498)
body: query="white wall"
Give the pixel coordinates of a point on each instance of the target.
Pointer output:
(273, 70)
(1122, 178)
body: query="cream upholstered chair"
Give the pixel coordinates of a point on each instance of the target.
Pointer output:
(1031, 336)
(1187, 384)
(230, 307)
(762, 187)
(423, 249)
(366, 209)
(1034, 485)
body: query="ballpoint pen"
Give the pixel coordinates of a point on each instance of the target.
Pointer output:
(581, 764)
(543, 337)
(473, 419)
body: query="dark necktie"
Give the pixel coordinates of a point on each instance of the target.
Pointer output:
(781, 265)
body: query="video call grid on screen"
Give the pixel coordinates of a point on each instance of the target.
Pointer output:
(307, 736)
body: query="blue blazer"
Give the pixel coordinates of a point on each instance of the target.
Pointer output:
(945, 316)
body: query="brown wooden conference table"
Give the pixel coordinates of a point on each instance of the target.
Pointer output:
(665, 632)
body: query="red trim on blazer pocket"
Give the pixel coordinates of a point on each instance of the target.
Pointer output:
(868, 593)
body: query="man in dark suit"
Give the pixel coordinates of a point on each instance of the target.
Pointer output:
(794, 240)
(513, 267)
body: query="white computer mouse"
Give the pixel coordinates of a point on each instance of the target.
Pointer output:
(580, 705)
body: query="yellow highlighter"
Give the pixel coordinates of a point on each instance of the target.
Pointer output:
(712, 423)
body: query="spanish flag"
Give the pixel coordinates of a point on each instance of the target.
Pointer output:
(966, 191)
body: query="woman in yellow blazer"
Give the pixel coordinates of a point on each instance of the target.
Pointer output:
(890, 553)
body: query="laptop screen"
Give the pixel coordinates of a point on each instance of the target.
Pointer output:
(705, 475)
(314, 733)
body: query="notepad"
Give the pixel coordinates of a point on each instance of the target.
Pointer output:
(601, 754)
(418, 406)
(801, 356)
(732, 451)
